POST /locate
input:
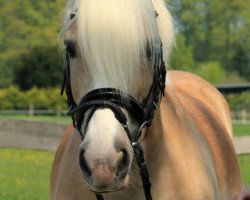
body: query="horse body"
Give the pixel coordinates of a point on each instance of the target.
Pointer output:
(186, 150)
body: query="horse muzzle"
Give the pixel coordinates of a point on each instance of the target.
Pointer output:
(106, 173)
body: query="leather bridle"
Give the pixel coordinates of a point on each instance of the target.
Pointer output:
(115, 100)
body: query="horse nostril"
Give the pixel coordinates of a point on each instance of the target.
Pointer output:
(83, 164)
(125, 156)
(123, 164)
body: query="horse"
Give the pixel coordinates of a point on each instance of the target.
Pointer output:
(124, 105)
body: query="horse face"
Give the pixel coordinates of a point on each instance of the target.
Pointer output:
(110, 48)
(105, 154)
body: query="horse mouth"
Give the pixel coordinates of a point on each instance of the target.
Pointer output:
(116, 186)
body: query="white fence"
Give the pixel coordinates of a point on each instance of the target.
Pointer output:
(241, 116)
(32, 112)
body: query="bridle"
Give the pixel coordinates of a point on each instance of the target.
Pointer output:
(114, 100)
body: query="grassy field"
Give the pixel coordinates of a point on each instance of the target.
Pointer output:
(241, 129)
(24, 174)
(244, 161)
(48, 118)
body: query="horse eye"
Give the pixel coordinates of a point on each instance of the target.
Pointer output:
(148, 51)
(70, 48)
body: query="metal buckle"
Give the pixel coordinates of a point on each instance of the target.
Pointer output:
(138, 134)
(125, 125)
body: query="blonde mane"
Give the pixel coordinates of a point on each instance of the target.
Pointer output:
(113, 35)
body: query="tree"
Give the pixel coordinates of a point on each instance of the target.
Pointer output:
(24, 25)
(182, 56)
(41, 67)
(241, 62)
(214, 28)
(211, 71)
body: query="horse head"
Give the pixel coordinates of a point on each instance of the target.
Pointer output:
(112, 49)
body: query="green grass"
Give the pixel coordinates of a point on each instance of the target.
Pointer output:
(48, 118)
(241, 129)
(24, 174)
(244, 161)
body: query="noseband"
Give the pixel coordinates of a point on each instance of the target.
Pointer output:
(114, 100)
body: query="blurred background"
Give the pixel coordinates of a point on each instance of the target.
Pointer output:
(212, 40)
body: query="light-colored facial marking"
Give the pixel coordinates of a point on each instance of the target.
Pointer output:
(106, 151)
(102, 131)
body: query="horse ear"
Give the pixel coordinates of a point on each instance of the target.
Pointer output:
(165, 27)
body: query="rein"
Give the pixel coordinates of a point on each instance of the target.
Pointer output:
(114, 100)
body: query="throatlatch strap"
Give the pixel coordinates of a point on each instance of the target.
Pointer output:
(143, 169)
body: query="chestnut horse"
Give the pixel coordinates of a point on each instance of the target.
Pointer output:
(187, 146)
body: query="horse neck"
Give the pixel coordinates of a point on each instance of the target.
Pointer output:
(174, 148)
(171, 126)
(152, 157)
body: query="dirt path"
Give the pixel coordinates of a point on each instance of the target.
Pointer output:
(242, 144)
(30, 134)
(46, 135)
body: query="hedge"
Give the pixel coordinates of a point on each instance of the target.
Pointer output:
(50, 98)
(41, 98)
(239, 101)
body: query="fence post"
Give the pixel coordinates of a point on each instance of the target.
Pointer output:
(31, 110)
(58, 112)
(244, 115)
